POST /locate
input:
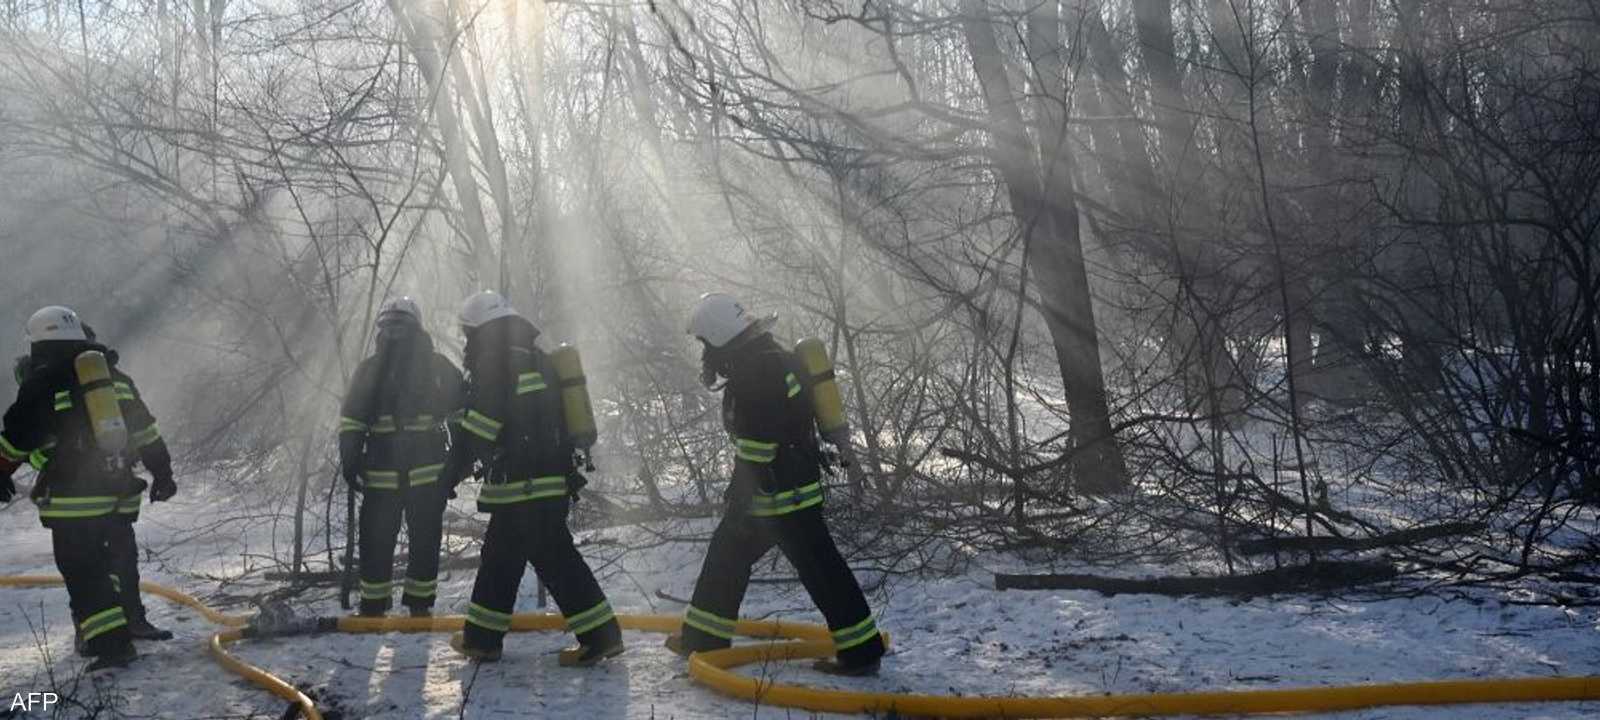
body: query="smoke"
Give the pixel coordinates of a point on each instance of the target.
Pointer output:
(230, 210)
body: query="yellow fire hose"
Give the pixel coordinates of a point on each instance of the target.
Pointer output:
(176, 596)
(713, 668)
(806, 640)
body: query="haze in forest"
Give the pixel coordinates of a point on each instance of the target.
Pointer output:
(1133, 278)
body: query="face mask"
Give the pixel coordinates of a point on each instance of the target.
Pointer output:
(397, 326)
(709, 368)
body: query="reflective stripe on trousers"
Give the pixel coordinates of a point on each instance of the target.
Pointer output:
(539, 488)
(788, 501)
(421, 588)
(488, 619)
(390, 479)
(376, 590)
(854, 635)
(102, 622)
(580, 623)
(78, 507)
(709, 623)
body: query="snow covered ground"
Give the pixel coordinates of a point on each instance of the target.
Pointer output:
(952, 635)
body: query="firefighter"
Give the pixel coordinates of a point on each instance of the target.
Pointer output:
(392, 448)
(86, 490)
(513, 429)
(775, 496)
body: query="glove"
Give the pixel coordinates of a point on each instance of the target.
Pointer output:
(454, 473)
(352, 477)
(163, 489)
(840, 439)
(8, 489)
(710, 368)
(575, 482)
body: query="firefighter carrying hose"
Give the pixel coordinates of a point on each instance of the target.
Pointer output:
(392, 448)
(81, 423)
(514, 428)
(775, 496)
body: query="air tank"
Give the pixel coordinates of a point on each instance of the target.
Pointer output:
(100, 399)
(575, 406)
(826, 402)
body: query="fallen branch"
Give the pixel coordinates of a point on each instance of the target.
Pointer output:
(1322, 543)
(1300, 578)
(326, 577)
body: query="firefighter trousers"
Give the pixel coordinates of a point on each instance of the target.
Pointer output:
(739, 542)
(122, 554)
(534, 532)
(80, 549)
(422, 508)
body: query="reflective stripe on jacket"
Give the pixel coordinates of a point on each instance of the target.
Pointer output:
(49, 427)
(392, 426)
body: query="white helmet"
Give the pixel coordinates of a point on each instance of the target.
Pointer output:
(55, 323)
(719, 318)
(483, 307)
(400, 309)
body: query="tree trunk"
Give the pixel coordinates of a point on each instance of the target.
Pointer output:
(1298, 578)
(473, 90)
(1198, 341)
(1047, 211)
(1134, 170)
(422, 39)
(1153, 20)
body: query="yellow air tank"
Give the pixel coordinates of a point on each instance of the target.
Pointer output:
(100, 399)
(826, 402)
(575, 405)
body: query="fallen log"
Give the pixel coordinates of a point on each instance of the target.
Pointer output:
(1325, 543)
(1315, 577)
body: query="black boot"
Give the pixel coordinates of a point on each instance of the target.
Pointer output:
(603, 643)
(675, 644)
(141, 629)
(831, 666)
(116, 657)
(590, 655)
(458, 642)
(373, 608)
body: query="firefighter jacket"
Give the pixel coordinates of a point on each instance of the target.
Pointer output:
(512, 424)
(48, 426)
(392, 429)
(777, 466)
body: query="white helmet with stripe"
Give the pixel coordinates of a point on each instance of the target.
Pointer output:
(719, 318)
(55, 323)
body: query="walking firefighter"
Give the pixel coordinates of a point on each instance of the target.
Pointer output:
(526, 423)
(773, 403)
